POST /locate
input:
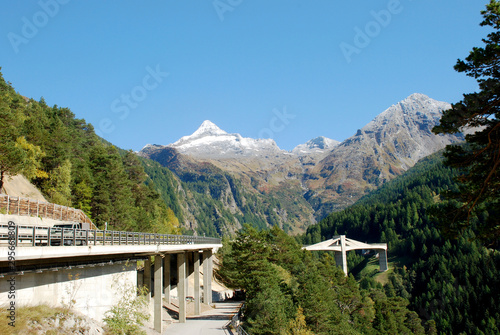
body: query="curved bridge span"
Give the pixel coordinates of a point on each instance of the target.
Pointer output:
(58, 266)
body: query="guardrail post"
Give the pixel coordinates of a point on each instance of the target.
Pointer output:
(48, 237)
(74, 236)
(34, 236)
(119, 238)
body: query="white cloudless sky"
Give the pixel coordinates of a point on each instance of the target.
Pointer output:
(152, 71)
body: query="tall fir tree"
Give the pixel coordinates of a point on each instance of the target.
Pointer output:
(480, 158)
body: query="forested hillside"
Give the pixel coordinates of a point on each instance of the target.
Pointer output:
(289, 291)
(456, 283)
(72, 166)
(221, 199)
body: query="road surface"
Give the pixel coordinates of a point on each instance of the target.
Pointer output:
(210, 322)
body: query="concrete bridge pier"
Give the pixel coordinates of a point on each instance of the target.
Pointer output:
(158, 299)
(207, 276)
(382, 260)
(162, 275)
(147, 276)
(197, 300)
(181, 285)
(341, 256)
(166, 278)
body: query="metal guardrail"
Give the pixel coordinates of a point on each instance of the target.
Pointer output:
(235, 323)
(15, 235)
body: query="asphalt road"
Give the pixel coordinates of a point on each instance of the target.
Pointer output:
(210, 322)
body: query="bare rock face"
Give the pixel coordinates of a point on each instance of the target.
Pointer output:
(383, 149)
(317, 177)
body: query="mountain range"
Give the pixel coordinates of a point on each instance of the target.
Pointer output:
(259, 182)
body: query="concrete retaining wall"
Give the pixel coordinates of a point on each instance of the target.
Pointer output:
(91, 290)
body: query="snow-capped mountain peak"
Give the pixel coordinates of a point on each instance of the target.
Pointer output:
(208, 128)
(209, 141)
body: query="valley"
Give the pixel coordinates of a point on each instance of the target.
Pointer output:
(256, 181)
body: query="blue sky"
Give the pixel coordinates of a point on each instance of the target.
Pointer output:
(152, 71)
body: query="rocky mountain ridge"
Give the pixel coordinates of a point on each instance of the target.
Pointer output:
(383, 149)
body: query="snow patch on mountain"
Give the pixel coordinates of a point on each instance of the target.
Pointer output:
(318, 145)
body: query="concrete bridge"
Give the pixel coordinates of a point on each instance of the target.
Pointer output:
(96, 268)
(341, 244)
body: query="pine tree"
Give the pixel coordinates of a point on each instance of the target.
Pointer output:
(480, 158)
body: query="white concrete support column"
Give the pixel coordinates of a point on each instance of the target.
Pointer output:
(166, 278)
(205, 270)
(187, 273)
(181, 285)
(207, 277)
(211, 275)
(197, 301)
(341, 257)
(158, 304)
(147, 276)
(382, 260)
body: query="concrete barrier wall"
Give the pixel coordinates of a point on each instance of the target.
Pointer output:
(91, 290)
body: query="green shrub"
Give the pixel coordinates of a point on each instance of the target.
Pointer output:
(128, 314)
